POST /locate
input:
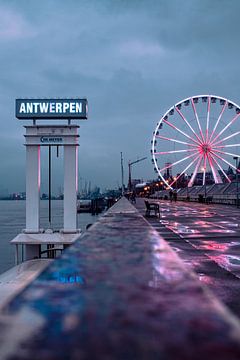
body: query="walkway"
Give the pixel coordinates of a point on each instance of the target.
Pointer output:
(207, 238)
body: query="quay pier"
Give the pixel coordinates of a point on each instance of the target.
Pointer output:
(119, 292)
(207, 239)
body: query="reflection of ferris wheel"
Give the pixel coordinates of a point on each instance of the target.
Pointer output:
(193, 137)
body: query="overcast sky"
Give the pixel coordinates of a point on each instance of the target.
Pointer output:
(132, 59)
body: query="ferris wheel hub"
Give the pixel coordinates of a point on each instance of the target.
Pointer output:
(205, 148)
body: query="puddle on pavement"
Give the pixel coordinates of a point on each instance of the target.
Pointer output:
(221, 231)
(228, 262)
(164, 222)
(228, 223)
(176, 249)
(205, 279)
(212, 245)
(181, 229)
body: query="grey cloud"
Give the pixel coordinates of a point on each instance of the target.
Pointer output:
(132, 59)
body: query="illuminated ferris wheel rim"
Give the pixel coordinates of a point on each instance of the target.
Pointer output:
(193, 100)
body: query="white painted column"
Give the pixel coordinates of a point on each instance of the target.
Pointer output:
(70, 189)
(32, 188)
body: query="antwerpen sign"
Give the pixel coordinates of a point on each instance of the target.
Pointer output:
(51, 108)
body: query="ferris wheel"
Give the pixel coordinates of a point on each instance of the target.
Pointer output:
(197, 136)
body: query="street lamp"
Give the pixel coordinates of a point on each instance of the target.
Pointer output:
(157, 187)
(236, 159)
(175, 179)
(187, 187)
(203, 168)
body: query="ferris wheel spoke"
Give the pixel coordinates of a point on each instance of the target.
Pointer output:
(225, 128)
(226, 138)
(183, 172)
(196, 116)
(218, 120)
(182, 132)
(224, 146)
(177, 162)
(184, 118)
(174, 151)
(226, 153)
(220, 167)
(175, 140)
(221, 158)
(191, 181)
(208, 116)
(216, 176)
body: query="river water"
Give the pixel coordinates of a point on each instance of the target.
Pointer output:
(12, 222)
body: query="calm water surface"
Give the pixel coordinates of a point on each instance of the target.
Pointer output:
(12, 222)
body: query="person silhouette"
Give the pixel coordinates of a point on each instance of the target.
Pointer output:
(175, 195)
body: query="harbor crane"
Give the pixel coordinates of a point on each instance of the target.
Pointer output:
(130, 163)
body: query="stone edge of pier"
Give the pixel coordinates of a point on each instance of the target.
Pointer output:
(172, 316)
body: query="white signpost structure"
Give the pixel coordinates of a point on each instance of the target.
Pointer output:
(38, 135)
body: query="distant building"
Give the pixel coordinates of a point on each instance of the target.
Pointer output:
(168, 172)
(136, 181)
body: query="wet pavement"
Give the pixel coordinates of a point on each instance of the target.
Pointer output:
(207, 239)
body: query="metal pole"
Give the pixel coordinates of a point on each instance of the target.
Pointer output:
(122, 174)
(49, 185)
(205, 191)
(129, 177)
(237, 197)
(237, 189)
(129, 171)
(187, 187)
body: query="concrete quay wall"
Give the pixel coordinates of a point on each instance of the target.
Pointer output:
(119, 292)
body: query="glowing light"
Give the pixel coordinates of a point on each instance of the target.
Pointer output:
(218, 120)
(208, 115)
(191, 181)
(177, 162)
(196, 116)
(174, 151)
(227, 162)
(182, 132)
(226, 127)
(226, 138)
(175, 140)
(183, 117)
(212, 157)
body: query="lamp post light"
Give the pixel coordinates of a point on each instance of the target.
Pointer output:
(205, 192)
(175, 179)
(236, 159)
(205, 183)
(157, 188)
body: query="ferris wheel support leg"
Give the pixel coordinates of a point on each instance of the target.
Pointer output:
(190, 184)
